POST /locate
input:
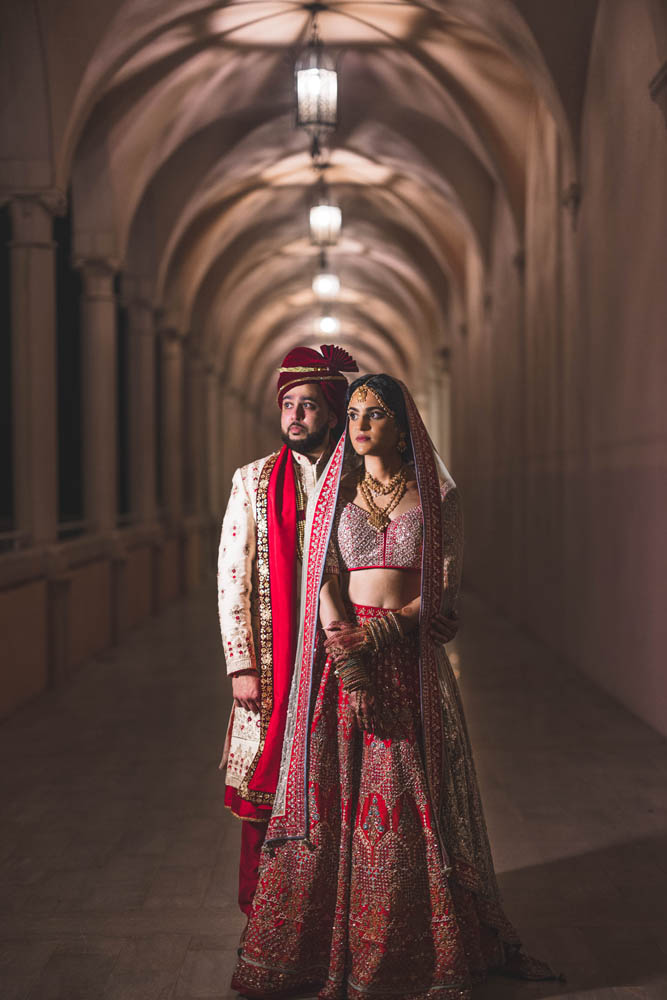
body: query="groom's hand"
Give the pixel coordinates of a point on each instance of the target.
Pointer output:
(246, 690)
(443, 629)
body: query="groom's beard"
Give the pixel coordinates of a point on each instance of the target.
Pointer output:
(307, 445)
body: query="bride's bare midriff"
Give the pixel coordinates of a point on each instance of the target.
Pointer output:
(384, 588)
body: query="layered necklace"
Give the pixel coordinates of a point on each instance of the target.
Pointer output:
(395, 489)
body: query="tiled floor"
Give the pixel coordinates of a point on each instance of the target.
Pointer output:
(118, 863)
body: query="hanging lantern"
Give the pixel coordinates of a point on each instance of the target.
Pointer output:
(326, 286)
(326, 220)
(316, 88)
(327, 325)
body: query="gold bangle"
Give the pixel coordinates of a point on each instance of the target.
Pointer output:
(395, 621)
(353, 674)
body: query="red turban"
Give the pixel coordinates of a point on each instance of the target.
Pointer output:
(304, 364)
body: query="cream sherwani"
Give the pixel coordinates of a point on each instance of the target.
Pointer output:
(237, 592)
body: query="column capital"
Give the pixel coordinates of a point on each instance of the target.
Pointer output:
(443, 361)
(172, 343)
(137, 293)
(32, 222)
(52, 200)
(571, 200)
(97, 274)
(519, 261)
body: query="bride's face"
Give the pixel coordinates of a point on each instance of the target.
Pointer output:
(372, 430)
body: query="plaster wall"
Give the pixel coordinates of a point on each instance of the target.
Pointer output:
(562, 454)
(622, 251)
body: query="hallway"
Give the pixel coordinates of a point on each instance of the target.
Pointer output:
(118, 863)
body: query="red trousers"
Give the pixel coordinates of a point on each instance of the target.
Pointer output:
(252, 838)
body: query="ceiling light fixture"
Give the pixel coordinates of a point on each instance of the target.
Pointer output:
(326, 218)
(316, 87)
(327, 325)
(326, 286)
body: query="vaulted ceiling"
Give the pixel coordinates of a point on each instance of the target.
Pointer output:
(174, 124)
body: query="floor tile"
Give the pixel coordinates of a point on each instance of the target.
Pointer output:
(118, 861)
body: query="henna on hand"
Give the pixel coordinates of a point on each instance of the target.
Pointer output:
(362, 705)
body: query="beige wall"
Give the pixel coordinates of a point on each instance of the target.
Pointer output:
(562, 449)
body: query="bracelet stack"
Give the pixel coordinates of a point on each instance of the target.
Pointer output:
(353, 674)
(384, 631)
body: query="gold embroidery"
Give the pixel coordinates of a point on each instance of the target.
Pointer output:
(313, 378)
(301, 501)
(302, 368)
(265, 659)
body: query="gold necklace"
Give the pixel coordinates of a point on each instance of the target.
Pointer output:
(379, 516)
(384, 489)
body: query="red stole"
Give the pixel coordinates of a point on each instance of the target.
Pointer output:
(281, 515)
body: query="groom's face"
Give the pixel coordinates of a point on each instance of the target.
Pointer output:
(305, 418)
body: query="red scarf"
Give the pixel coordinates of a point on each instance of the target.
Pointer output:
(282, 538)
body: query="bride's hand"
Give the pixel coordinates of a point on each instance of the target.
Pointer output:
(362, 705)
(343, 639)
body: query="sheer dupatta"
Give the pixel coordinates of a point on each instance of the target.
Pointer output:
(290, 818)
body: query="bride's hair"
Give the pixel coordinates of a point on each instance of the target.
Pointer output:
(389, 391)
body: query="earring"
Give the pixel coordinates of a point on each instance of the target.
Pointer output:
(402, 443)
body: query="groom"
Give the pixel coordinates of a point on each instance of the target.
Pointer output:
(259, 564)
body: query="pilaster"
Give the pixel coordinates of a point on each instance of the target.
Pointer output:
(34, 368)
(99, 393)
(171, 344)
(141, 399)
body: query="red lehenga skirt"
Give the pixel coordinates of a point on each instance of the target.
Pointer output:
(365, 906)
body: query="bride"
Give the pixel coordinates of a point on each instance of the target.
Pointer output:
(376, 877)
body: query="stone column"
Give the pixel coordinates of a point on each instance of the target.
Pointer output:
(195, 454)
(224, 477)
(34, 368)
(213, 440)
(172, 422)
(440, 390)
(141, 401)
(249, 422)
(231, 432)
(99, 394)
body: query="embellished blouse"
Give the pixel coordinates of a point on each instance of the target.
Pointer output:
(356, 545)
(360, 546)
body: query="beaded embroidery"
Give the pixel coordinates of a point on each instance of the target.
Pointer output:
(360, 546)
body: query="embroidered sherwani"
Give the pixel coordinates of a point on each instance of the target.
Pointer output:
(244, 606)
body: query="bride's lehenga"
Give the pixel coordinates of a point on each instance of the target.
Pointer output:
(377, 877)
